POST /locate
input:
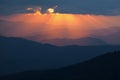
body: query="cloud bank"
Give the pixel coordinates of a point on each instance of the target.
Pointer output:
(96, 7)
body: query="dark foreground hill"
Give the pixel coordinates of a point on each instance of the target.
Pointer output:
(105, 67)
(18, 55)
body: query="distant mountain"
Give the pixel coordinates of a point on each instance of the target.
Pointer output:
(115, 39)
(111, 37)
(88, 41)
(17, 54)
(105, 67)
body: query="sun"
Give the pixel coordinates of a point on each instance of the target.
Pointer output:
(50, 10)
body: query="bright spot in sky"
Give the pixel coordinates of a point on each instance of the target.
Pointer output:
(50, 10)
(37, 10)
(29, 8)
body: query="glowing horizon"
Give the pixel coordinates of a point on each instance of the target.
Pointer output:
(51, 25)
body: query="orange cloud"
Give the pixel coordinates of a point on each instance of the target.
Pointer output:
(56, 25)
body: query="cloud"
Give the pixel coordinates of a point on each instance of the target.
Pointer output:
(97, 7)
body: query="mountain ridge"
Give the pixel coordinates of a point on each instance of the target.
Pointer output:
(18, 54)
(104, 67)
(87, 41)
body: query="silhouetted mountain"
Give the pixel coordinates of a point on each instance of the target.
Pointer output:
(88, 41)
(105, 67)
(17, 54)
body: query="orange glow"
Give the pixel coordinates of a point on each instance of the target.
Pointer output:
(58, 25)
(37, 13)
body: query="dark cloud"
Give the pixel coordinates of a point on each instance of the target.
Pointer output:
(102, 7)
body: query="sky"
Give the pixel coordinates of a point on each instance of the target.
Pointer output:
(73, 19)
(101, 7)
